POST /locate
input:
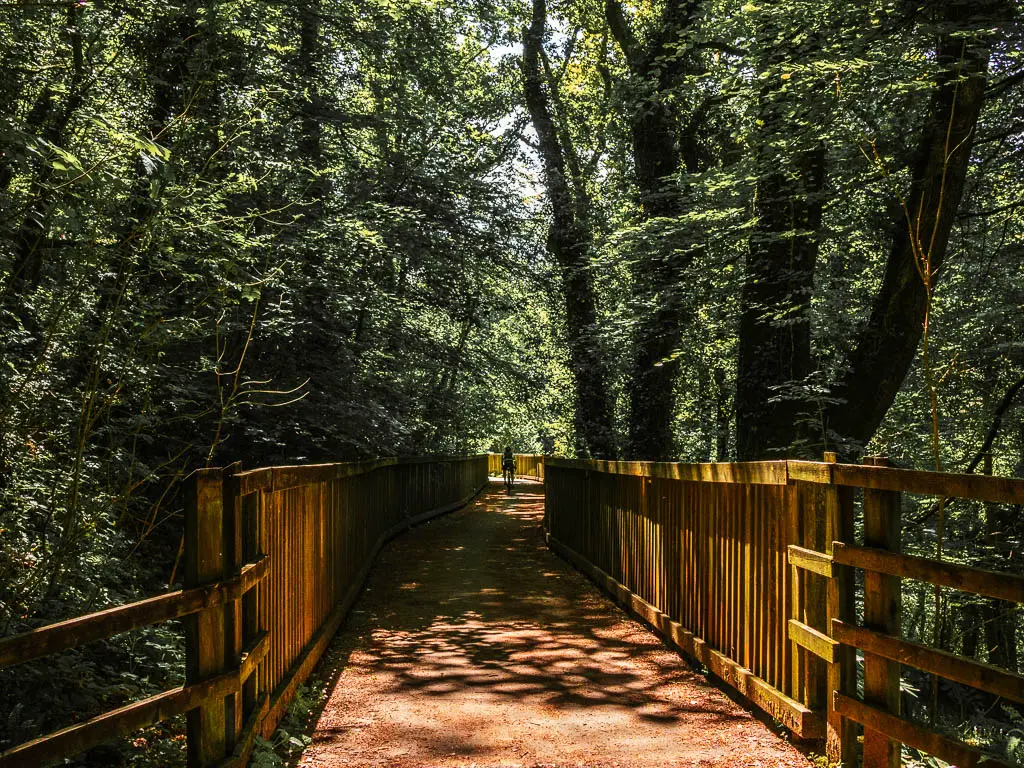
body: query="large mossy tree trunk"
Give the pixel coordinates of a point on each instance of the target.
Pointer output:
(661, 150)
(775, 324)
(570, 242)
(774, 351)
(773, 417)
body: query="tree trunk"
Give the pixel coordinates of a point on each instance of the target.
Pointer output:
(775, 325)
(570, 242)
(659, 153)
(887, 344)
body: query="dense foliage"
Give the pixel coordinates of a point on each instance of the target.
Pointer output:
(660, 229)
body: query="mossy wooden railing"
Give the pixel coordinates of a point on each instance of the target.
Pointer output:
(274, 559)
(749, 568)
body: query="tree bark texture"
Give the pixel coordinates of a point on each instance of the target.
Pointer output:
(660, 151)
(775, 324)
(570, 242)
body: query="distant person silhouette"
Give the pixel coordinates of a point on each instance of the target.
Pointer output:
(508, 467)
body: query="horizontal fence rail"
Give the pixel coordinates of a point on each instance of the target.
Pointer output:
(274, 559)
(750, 569)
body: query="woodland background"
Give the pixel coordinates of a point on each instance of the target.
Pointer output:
(326, 230)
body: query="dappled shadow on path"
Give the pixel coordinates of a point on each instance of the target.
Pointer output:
(474, 643)
(505, 627)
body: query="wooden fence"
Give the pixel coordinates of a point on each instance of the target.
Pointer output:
(527, 465)
(274, 559)
(749, 568)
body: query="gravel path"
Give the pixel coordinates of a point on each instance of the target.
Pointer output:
(473, 645)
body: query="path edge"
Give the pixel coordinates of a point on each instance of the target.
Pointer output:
(805, 724)
(307, 661)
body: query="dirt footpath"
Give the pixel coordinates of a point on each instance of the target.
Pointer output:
(474, 645)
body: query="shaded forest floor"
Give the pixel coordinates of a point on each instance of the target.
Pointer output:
(475, 645)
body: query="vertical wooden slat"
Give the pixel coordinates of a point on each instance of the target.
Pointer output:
(770, 586)
(264, 591)
(674, 503)
(708, 556)
(761, 598)
(280, 581)
(753, 608)
(295, 588)
(692, 533)
(882, 608)
(204, 631)
(284, 585)
(704, 561)
(702, 553)
(741, 621)
(794, 592)
(722, 604)
(307, 550)
(729, 575)
(713, 580)
(689, 532)
(733, 645)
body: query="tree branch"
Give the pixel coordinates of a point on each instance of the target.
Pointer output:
(997, 422)
(997, 89)
(623, 34)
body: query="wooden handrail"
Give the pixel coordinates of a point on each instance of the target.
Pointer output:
(914, 735)
(54, 638)
(998, 585)
(701, 557)
(750, 473)
(103, 728)
(272, 479)
(984, 677)
(1003, 490)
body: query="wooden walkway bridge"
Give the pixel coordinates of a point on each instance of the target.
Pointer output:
(750, 569)
(474, 644)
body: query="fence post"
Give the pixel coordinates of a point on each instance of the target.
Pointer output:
(252, 550)
(234, 557)
(841, 733)
(204, 631)
(794, 659)
(882, 612)
(807, 528)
